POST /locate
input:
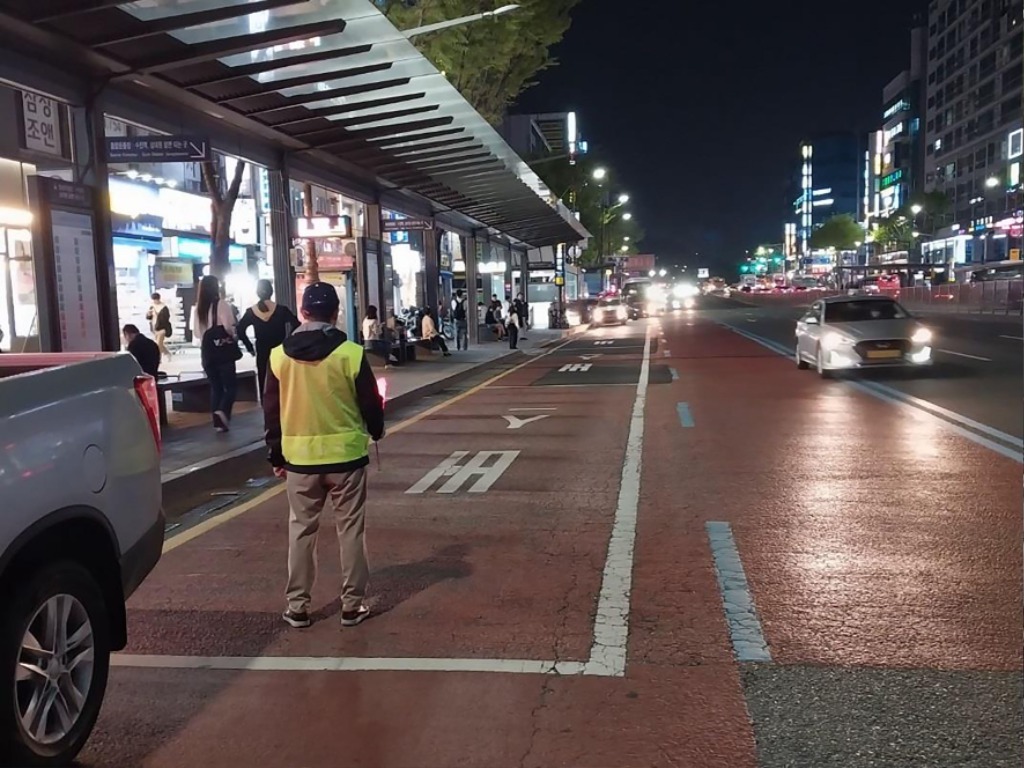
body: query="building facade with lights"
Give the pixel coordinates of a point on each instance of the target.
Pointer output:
(894, 162)
(974, 132)
(828, 183)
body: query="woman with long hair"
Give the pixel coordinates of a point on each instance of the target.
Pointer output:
(213, 328)
(272, 324)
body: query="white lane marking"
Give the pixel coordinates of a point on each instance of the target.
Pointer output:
(575, 367)
(526, 410)
(603, 343)
(951, 419)
(611, 623)
(589, 357)
(748, 641)
(964, 354)
(459, 475)
(517, 422)
(1011, 338)
(674, 373)
(347, 664)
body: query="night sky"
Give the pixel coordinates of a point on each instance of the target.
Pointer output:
(699, 106)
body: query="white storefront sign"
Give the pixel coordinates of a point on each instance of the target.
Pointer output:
(41, 124)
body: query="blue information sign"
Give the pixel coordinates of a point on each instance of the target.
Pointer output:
(157, 149)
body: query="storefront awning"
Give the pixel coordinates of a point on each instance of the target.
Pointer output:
(328, 77)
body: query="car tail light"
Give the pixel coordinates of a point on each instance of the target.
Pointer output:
(145, 388)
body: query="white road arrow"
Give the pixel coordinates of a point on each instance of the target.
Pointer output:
(515, 422)
(588, 357)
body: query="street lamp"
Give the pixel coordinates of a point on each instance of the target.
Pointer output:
(626, 238)
(410, 33)
(992, 182)
(599, 174)
(623, 199)
(662, 273)
(624, 248)
(916, 208)
(627, 216)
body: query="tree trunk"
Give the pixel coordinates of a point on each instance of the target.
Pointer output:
(222, 206)
(312, 260)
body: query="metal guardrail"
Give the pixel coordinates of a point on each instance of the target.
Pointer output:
(996, 297)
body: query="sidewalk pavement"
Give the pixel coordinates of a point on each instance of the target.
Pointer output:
(187, 450)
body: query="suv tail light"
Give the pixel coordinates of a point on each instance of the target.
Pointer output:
(145, 388)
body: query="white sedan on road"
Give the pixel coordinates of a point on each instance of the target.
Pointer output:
(849, 332)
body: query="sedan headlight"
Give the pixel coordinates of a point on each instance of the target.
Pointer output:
(831, 340)
(921, 336)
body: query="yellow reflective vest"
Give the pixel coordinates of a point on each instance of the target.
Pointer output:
(321, 424)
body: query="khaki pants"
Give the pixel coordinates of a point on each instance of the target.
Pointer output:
(345, 494)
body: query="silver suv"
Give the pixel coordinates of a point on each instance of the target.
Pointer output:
(81, 525)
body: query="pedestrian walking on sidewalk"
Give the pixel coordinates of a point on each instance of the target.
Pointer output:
(159, 317)
(213, 328)
(522, 309)
(272, 323)
(513, 327)
(321, 409)
(460, 314)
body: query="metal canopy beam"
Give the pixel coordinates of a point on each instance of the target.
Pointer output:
(186, 20)
(417, 150)
(455, 162)
(75, 8)
(276, 86)
(229, 46)
(388, 131)
(271, 65)
(451, 152)
(350, 107)
(412, 140)
(342, 125)
(373, 117)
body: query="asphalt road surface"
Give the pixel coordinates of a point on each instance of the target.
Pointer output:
(655, 546)
(978, 370)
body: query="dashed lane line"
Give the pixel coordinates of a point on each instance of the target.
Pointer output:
(964, 354)
(748, 641)
(685, 416)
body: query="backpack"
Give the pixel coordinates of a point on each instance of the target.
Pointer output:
(218, 346)
(459, 313)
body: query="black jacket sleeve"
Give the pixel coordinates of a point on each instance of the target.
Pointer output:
(371, 405)
(272, 419)
(241, 330)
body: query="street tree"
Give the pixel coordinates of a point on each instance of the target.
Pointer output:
(895, 232)
(841, 232)
(574, 184)
(493, 60)
(223, 196)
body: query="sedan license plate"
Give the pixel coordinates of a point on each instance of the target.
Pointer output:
(884, 354)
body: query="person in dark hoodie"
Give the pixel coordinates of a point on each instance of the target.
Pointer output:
(321, 409)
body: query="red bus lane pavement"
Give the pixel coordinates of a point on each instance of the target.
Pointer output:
(880, 546)
(501, 538)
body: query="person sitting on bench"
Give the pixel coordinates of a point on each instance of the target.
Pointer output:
(430, 333)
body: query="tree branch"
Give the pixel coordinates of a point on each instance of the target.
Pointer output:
(212, 180)
(236, 184)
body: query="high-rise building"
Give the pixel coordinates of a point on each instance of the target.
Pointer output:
(974, 130)
(895, 159)
(828, 182)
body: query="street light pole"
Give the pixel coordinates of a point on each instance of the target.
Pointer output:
(415, 31)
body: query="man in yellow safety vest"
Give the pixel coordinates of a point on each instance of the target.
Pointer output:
(321, 409)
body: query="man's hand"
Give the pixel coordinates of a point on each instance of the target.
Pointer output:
(280, 473)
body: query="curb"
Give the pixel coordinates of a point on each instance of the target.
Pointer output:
(228, 465)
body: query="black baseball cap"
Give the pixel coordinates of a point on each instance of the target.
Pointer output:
(320, 299)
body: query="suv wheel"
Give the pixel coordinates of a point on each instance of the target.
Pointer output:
(54, 660)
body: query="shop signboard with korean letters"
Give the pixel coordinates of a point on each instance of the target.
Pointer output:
(40, 124)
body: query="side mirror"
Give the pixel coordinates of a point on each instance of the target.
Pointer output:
(811, 320)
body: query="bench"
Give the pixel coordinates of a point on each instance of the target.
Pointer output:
(396, 351)
(192, 394)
